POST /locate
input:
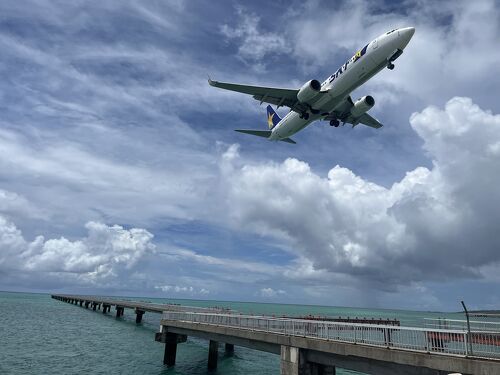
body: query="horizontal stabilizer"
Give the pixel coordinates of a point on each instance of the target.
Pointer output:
(263, 133)
(259, 133)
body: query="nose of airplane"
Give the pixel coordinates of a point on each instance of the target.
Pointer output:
(405, 35)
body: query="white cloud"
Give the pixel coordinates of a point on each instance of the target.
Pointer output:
(182, 289)
(255, 44)
(270, 292)
(105, 251)
(434, 224)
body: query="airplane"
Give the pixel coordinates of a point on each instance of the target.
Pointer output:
(330, 100)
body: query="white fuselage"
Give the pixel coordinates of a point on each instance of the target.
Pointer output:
(347, 78)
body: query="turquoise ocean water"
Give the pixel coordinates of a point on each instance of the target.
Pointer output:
(40, 335)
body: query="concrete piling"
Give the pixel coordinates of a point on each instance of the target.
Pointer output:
(319, 369)
(213, 352)
(138, 316)
(170, 349)
(119, 311)
(229, 349)
(289, 364)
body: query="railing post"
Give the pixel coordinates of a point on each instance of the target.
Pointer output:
(465, 344)
(468, 327)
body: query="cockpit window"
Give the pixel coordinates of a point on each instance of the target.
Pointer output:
(387, 33)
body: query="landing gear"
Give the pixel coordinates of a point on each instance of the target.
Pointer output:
(390, 66)
(305, 116)
(335, 123)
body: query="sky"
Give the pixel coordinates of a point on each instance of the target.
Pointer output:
(120, 172)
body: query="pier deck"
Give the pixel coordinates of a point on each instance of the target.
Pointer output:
(312, 347)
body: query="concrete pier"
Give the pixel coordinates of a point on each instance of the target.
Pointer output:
(315, 347)
(303, 355)
(213, 353)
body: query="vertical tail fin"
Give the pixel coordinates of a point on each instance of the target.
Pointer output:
(272, 117)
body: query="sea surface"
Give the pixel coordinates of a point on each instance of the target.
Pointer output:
(40, 335)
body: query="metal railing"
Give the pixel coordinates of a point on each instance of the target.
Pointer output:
(432, 340)
(460, 324)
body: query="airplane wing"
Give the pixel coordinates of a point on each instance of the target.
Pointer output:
(368, 120)
(272, 95)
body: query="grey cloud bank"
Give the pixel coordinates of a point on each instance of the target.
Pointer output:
(340, 229)
(112, 170)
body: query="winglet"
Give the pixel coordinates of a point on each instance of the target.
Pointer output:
(210, 82)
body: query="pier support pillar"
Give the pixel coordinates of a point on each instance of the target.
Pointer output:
(81, 303)
(170, 349)
(94, 306)
(229, 349)
(105, 308)
(289, 364)
(119, 311)
(138, 316)
(319, 369)
(86, 304)
(213, 351)
(293, 362)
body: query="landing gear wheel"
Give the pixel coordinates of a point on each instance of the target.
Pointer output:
(390, 66)
(305, 116)
(335, 123)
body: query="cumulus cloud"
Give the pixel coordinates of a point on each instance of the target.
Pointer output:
(434, 224)
(104, 252)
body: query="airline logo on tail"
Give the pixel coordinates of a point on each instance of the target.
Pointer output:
(272, 118)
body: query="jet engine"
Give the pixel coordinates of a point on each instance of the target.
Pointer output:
(362, 105)
(309, 91)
